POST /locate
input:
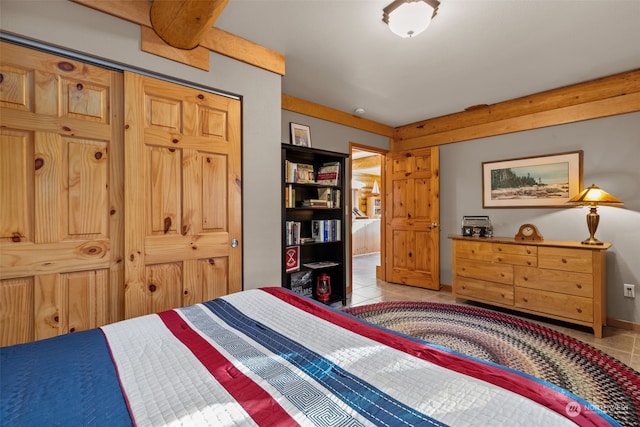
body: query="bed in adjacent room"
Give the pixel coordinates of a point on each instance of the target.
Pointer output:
(268, 357)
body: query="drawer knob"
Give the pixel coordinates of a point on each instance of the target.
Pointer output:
(528, 262)
(529, 251)
(579, 310)
(502, 295)
(564, 261)
(499, 259)
(578, 285)
(526, 279)
(525, 299)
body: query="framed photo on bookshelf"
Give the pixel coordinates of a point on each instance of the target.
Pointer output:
(300, 134)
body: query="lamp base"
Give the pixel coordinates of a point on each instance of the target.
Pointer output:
(592, 241)
(592, 224)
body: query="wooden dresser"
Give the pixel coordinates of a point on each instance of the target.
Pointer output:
(563, 280)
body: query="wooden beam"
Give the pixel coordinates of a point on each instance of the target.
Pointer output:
(224, 43)
(216, 40)
(368, 162)
(183, 23)
(591, 110)
(132, 11)
(596, 98)
(301, 106)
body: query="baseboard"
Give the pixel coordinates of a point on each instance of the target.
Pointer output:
(623, 324)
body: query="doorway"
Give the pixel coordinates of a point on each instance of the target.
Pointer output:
(367, 183)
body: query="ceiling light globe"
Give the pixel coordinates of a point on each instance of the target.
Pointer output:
(410, 19)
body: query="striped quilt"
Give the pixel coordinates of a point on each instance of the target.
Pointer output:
(271, 358)
(267, 357)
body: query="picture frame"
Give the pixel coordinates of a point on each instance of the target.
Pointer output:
(300, 135)
(547, 181)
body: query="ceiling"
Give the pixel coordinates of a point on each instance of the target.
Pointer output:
(341, 55)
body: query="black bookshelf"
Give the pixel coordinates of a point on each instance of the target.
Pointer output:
(304, 217)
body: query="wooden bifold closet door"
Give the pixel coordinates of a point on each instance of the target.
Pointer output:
(61, 195)
(77, 209)
(183, 240)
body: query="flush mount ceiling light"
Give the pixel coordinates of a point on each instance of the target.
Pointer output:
(408, 18)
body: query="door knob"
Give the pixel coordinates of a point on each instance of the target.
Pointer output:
(234, 243)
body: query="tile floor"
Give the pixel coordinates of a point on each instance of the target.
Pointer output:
(622, 344)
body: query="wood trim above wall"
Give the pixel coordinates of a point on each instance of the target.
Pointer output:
(214, 39)
(318, 111)
(607, 96)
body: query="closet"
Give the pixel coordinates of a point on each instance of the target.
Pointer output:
(119, 195)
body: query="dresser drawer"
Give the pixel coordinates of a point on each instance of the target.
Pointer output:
(501, 273)
(562, 305)
(486, 291)
(566, 282)
(515, 259)
(506, 248)
(565, 259)
(474, 250)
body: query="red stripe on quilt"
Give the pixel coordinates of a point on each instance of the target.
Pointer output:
(259, 404)
(522, 385)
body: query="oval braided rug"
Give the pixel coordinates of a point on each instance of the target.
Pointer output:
(559, 359)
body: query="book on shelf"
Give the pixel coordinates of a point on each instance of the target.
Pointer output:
(292, 258)
(302, 283)
(315, 203)
(305, 173)
(326, 230)
(292, 233)
(299, 172)
(289, 196)
(331, 195)
(289, 171)
(329, 174)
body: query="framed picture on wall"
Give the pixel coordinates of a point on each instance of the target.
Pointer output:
(532, 182)
(300, 135)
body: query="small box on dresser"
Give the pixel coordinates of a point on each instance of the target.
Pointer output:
(564, 280)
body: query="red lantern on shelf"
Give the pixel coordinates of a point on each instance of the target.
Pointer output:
(323, 287)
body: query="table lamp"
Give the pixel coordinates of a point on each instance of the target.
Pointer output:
(593, 196)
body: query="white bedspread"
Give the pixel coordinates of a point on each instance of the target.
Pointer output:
(268, 357)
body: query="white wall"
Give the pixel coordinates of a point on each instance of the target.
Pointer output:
(78, 28)
(611, 149)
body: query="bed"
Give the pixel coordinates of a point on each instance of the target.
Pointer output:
(267, 357)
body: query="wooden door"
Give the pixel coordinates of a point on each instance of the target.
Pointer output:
(182, 195)
(61, 208)
(412, 218)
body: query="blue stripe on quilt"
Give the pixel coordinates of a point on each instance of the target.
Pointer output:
(374, 405)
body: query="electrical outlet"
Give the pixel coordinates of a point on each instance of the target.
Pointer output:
(629, 290)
